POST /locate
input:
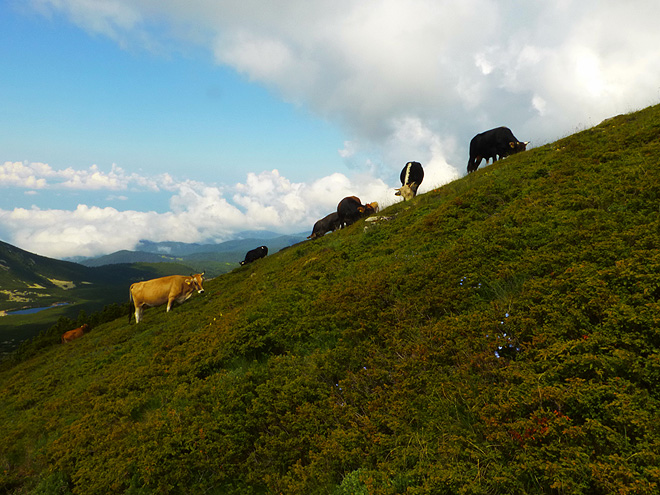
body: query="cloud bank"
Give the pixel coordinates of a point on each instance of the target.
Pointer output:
(197, 212)
(457, 67)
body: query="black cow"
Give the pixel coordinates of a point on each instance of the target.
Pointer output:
(255, 254)
(351, 209)
(411, 177)
(326, 224)
(499, 142)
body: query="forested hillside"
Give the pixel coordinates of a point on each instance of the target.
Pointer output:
(497, 335)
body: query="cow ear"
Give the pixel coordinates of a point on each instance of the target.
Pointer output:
(512, 144)
(188, 281)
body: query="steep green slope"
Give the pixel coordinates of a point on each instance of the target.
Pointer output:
(28, 281)
(496, 335)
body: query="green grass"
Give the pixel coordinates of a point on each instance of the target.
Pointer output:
(498, 335)
(94, 289)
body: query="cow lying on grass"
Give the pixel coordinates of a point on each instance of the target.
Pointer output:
(74, 334)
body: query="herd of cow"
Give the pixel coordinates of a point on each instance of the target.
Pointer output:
(493, 144)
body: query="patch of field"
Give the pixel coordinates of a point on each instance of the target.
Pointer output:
(62, 284)
(16, 296)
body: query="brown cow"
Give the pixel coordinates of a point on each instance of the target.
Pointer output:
(163, 290)
(75, 333)
(351, 209)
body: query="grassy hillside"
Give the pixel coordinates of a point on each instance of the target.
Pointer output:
(28, 281)
(497, 335)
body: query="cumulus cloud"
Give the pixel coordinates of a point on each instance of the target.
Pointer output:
(456, 66)
(198, 212)
(19, 175)
(31, 175)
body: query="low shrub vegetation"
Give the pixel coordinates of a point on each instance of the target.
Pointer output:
(497, 335)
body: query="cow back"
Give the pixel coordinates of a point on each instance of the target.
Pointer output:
(157, 290)
(74, 334)
(412, 172)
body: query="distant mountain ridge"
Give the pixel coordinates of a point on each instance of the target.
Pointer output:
(180, 252)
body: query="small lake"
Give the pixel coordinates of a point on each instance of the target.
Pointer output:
(33, 310)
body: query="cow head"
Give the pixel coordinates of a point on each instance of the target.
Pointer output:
(408, 191)
(85, 328)
(518, 146)
(368, 209)
(195, 281)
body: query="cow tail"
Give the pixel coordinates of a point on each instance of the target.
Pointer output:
(131, 307)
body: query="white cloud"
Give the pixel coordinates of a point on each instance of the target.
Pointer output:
(16, 174)
(457, 66)
(198, 212)
(32, 175)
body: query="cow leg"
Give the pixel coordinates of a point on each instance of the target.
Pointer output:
(138, 313)
(474, 163)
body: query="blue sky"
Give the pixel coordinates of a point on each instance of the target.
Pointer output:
(72, 99)
(124, 120)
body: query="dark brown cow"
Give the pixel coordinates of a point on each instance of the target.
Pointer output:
(163, 290)
(351, 209)
(255, 254)
(75, 333)
(328, 223)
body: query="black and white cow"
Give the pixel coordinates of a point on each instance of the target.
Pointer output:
(495, 143)
(411, 177)
(255, 254)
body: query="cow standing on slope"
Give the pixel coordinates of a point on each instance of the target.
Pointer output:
(327, 224)
(255, 254)
(495, 143)
(411, 177)
(163, 290)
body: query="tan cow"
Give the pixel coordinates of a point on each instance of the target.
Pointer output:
(163, 290)
(75, 333)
